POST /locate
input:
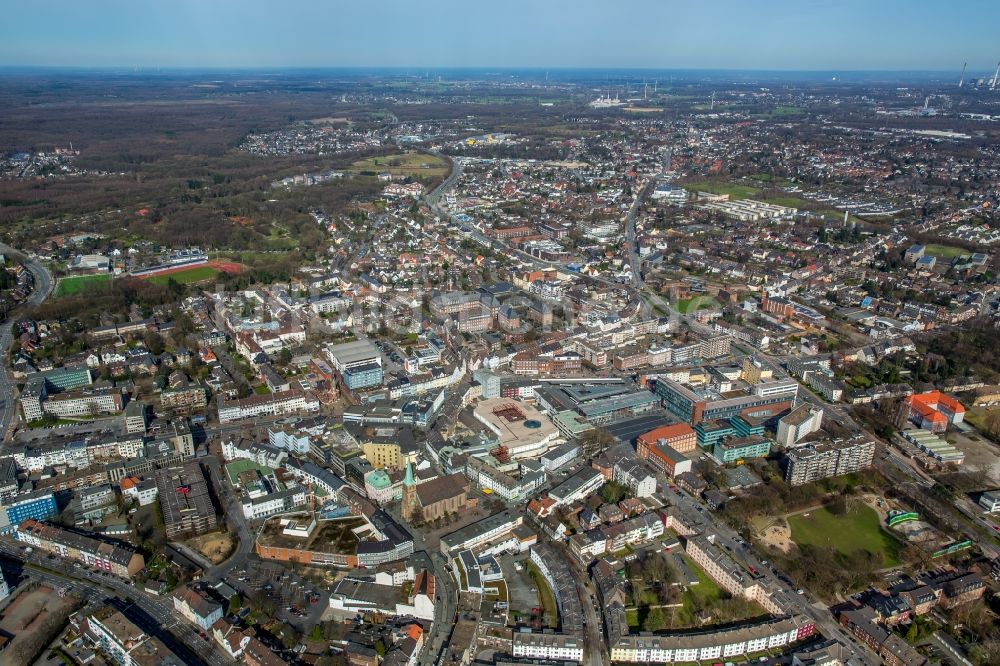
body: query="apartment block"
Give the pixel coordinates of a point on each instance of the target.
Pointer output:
(118, 559)
(832, 458)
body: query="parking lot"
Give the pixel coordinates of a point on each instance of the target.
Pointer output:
(520, 587)
(296, 602)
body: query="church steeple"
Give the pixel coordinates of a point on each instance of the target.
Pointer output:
(411, 508)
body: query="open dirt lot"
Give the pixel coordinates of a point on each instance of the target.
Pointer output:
(216, 546)
(25, 615)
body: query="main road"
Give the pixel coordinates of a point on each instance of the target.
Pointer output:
(41, 287)
(692, 510)
(157, 613)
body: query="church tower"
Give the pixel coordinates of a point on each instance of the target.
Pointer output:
(411, 503)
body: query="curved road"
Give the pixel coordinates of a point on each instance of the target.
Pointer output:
(42, 286)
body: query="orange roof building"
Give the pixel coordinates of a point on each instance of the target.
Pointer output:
(678, 436)
(934, 410)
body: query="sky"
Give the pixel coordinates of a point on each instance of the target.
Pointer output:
(652, 34)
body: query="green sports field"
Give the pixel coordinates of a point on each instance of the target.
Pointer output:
(858, 529)
(720, 187)
(71, 286)
(944, 251)
(195, 274)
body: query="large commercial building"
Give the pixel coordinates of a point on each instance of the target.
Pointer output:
(358, 363)
(678, 436)
(500, 527)
(285, 402)
(489, 478)
(521, 430)
(577, 487)
(38, 386)
(84, 402)
(388, 446)
(66, 378)
(368, 539)
(819, 461)
(34, 506)
(187, 507)
(694, 405)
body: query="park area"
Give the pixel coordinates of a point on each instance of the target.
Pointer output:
(77, 284)
(858, 529)
(666, 598)
(695, 303)
(414, 165)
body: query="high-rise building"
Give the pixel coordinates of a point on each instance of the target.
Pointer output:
(801, 421)
(820, 461)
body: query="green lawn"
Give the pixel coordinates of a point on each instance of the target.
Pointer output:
(686, 305)
(235, 468)
(707, 589)
(404, 164)
(944, 251)
(780, 111)
(858, 529)
(196, 274)
(70, 286)
(791, 202)
(721, 187)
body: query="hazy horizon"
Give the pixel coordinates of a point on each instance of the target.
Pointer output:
(783, 35)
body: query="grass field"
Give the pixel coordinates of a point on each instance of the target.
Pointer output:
(780, 111)
(70, 286)
(791, 202)
(404, 164)
(707, 590)
(858, 529)
(720, 187)
(686, 305)
(770, 178)
(944, 251)
(189, 276)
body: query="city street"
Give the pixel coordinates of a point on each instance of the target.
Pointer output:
(155, 615)
(8, 387)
